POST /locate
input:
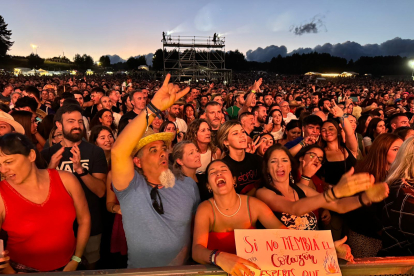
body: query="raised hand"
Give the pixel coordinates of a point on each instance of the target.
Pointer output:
(378, 192)
(257, 84)
(168, 94)
(336, 110)
(55, 159)
(351, 183)
(76, 159)
(309, 169)
(254, 145)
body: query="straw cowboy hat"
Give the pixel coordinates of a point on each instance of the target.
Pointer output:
(7, 118)
(150, 136)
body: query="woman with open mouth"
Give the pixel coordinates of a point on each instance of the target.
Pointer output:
(217, 218)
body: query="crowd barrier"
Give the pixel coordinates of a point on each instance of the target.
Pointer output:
(362, 267)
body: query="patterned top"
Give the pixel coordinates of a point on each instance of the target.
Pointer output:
(398, 220)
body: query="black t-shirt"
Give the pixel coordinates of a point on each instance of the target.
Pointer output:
(90, 112)
(129, 116)
(256, 131)
(93, 159)
(5, 99)
(116, 108)
(248, 172)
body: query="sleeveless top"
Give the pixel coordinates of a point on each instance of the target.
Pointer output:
(40, 235)
(205, 159)
(307, 221)
(224, 241)
(335, 169)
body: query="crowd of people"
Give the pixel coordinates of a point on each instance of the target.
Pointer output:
(122, 171)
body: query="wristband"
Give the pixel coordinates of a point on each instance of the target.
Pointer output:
(215, 257)
(85, 172)
(212, 255)
(362, 202)
(325, 197)
(155, 110)
(76, 259)
(254, 91)
(333, 194)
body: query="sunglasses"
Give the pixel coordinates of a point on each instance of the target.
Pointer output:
(155, 196)
(313, 155)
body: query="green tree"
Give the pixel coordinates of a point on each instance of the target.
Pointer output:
(34, 61)
(78, 60)
(105, 61)
(141, 61)
(157, 60)
(87, 61)
(5, 34)
(132, 63)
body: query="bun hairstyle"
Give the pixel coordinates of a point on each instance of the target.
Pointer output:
(16, 143)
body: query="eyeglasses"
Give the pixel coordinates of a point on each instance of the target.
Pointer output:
(313, 155)
(154, 196)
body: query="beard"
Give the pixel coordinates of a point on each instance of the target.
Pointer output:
(167, 179)
(73, 137)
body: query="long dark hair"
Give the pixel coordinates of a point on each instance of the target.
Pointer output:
(185, 118)
(291, 125)
(375, 162)
(164, 126)
(372, 127)
(95, 133)
(95, 121)
(266, 175)
(341, 143)
(16, 143)
(25, 119)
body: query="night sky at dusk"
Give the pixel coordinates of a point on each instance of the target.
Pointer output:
(131, 28)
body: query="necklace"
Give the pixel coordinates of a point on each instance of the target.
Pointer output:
(229, 216)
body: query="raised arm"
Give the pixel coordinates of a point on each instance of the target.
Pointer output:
(350, 139)
(122, 165)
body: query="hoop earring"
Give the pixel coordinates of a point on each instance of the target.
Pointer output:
(210, 190)
(235, 184)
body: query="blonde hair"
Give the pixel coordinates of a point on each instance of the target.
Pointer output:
(402, 167)
(223, 134)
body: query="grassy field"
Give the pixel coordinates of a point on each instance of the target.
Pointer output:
(10, 64)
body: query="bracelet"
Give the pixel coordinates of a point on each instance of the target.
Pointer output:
(212, 255)
(76, 259)
(305, 177)
(362, 202)
(303, 144)
(325, 196)
(333, 194)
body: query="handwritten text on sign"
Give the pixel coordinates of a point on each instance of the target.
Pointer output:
(288, 252)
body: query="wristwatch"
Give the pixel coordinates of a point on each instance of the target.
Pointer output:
(85, 172)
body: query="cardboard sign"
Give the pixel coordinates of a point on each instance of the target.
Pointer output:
(288, 252)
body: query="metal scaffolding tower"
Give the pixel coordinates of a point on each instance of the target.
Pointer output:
(195, 58)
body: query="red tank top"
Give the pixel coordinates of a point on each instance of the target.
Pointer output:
(224, 241)
(40, 235)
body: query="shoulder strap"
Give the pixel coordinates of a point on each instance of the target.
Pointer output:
(214, 213)
(299, 191)
(248, 209)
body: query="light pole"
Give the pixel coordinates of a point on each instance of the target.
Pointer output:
(411, 63)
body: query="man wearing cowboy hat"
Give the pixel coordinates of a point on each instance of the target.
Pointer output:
(9, 125)
(157, 209)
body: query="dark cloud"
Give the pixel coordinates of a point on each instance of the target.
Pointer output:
(348, 50)
(115, 59)
(267, 53)
(314, 26)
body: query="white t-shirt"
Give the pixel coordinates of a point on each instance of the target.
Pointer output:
(181, 124)
(289, 117)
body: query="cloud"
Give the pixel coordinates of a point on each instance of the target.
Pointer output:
(148, 58)
(314, 26)
(115, 59)
(204, 19)
(348, 50)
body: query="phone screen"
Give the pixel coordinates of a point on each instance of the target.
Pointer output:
(354, 99)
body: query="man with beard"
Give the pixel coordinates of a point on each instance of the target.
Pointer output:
(157, 209)
(324, 105)
(203, 102)
(215, 117)
(88, 163)
(260, 114)
(173, 113)
(96, 94)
